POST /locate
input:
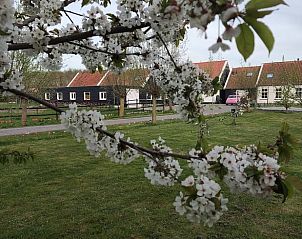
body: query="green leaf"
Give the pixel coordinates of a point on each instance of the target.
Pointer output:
(289, 186)
(216, 85)
(106, 2)
(261, 4)
(245, 41)
(286, 144)
(263, 32)
(258, 14)
(84, 2)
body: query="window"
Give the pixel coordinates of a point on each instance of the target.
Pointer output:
(278, 93)
(59, 96)
(47, 96)
(72, 96)
(148, 96)
(249, 74)
(270, 75)
(103, 95)
(86, 95)
(299, 93)
(264, 93)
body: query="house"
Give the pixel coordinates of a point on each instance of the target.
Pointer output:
(274, 76)
(99, 88)
(215, 69)
(242, 80)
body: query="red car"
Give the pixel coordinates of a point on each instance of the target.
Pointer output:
(232, 100)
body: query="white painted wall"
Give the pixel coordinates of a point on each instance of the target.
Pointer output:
(271, 94)
(210, 99)
(132, 97)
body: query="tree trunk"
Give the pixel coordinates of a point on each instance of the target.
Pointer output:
(24, 103)
(170, 104)
(154, 110)
(122, 107)
(164, 102)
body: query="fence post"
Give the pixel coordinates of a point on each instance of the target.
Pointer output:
(57, 116)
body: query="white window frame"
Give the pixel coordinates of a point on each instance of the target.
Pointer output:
(249, 74)
(59, 95)
(270, 75)
(148, 96)
(298, 92)
(102, 95)
(278, 91)
(88, 96)
(47, 96)
(72, 95)
(263, 91)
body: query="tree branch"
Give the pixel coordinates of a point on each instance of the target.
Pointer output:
(147, 152)
(76, 37)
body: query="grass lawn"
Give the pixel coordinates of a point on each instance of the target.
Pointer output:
(65, 193)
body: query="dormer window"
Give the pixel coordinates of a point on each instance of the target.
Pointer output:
(269, 75)
(249, 74)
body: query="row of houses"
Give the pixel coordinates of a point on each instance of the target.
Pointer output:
(107, 88)
(265, 83)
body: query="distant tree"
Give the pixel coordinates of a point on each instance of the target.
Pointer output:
(123, 83)
(290, 76)
(287, 96)
(155, 91)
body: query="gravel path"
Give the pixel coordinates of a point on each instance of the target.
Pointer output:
(209, 110)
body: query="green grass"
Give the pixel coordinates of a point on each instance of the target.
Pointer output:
(65, 193)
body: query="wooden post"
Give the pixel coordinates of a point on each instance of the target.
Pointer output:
(154, 110)
(170, 104)
(122, 107)
(24, 111)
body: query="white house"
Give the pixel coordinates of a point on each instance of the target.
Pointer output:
(273, 77)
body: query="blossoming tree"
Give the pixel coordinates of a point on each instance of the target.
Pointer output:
(141, 30)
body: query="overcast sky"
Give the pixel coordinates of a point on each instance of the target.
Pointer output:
(285, 23)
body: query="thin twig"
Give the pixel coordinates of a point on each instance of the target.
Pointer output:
(171, 57)
(103, 51)
(70, 19)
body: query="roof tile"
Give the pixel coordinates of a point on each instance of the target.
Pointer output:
(213, 68)
(288, 72)
(243, 78)
(87, 79)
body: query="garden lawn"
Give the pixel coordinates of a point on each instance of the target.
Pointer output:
(65, 193)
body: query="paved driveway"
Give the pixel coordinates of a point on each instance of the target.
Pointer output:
(209, 110)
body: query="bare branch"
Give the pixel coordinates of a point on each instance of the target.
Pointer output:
(171, 57)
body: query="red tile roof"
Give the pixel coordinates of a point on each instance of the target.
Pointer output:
(213, 68)
(288, 72)
(86, 79)
(133, 77)
(243, 78)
